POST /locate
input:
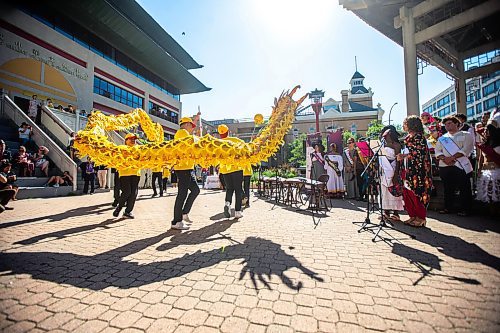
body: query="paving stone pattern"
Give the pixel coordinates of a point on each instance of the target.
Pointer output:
(66, 265)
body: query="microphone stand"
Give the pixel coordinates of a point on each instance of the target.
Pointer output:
(367, 225)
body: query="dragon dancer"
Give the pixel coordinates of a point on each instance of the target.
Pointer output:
(185, 180)
(233, 178)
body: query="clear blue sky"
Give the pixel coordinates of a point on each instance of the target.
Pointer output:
(251, 50)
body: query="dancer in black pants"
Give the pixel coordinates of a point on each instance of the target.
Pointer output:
(233, 185)
(233, 179)
(247, 175)
(157, 177)
(129, 184)
(185, 181)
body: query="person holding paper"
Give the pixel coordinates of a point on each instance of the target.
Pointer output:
(389, 173)
(452, 151)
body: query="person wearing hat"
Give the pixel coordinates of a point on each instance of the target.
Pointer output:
(185, 180)
(129, 184)
(233, 178)
(41, 160)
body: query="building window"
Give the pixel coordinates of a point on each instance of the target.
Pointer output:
(470, 111)
(489, 104)
(452, 95)
(163, 113)
(491, 88)
(479, 108)
(453, 108)
(444, 112)
(117, 94)
(443, 101)
(490, 76)
(428, 109)
(470, 98)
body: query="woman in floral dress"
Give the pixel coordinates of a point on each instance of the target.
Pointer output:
(417, 173)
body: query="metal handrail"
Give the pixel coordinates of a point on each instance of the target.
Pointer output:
(56, 154)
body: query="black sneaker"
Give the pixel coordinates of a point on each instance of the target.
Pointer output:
(161, 194)
(154, 195)
(114, 204)
(116, 212)
(8, 208)
(128, 215)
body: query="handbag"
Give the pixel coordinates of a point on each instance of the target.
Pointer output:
(396, 189)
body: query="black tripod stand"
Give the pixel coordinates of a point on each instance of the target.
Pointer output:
(374, 183)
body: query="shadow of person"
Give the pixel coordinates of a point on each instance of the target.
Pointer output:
(483, 224)
(426, 263)
(80, 211)
(457, 248)
(198, 236)
(277, 264)
(65, 233)
(261, 259)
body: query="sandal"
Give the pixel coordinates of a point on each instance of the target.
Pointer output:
(395, 217)
(418, 222)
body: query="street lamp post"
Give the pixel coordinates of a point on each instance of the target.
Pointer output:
(316, 97)
(391, 111)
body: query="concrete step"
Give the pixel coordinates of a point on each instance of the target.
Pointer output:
(13, 146)
(43, 192)
(31, 181)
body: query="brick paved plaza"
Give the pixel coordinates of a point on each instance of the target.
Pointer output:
(67, 265)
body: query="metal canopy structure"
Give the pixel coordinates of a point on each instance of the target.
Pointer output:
(456, 36)
(126, 26)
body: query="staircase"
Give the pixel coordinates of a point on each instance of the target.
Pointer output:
(32, 187)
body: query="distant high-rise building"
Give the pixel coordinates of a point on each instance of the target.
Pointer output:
(482, 96)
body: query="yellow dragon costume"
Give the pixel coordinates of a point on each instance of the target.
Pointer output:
(205, 150)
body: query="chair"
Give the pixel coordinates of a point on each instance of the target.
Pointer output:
(320, 191)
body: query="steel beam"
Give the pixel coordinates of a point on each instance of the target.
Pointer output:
(480, 50)
(447, 48)
(428, 6)
(460, 20)
(440, 63)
